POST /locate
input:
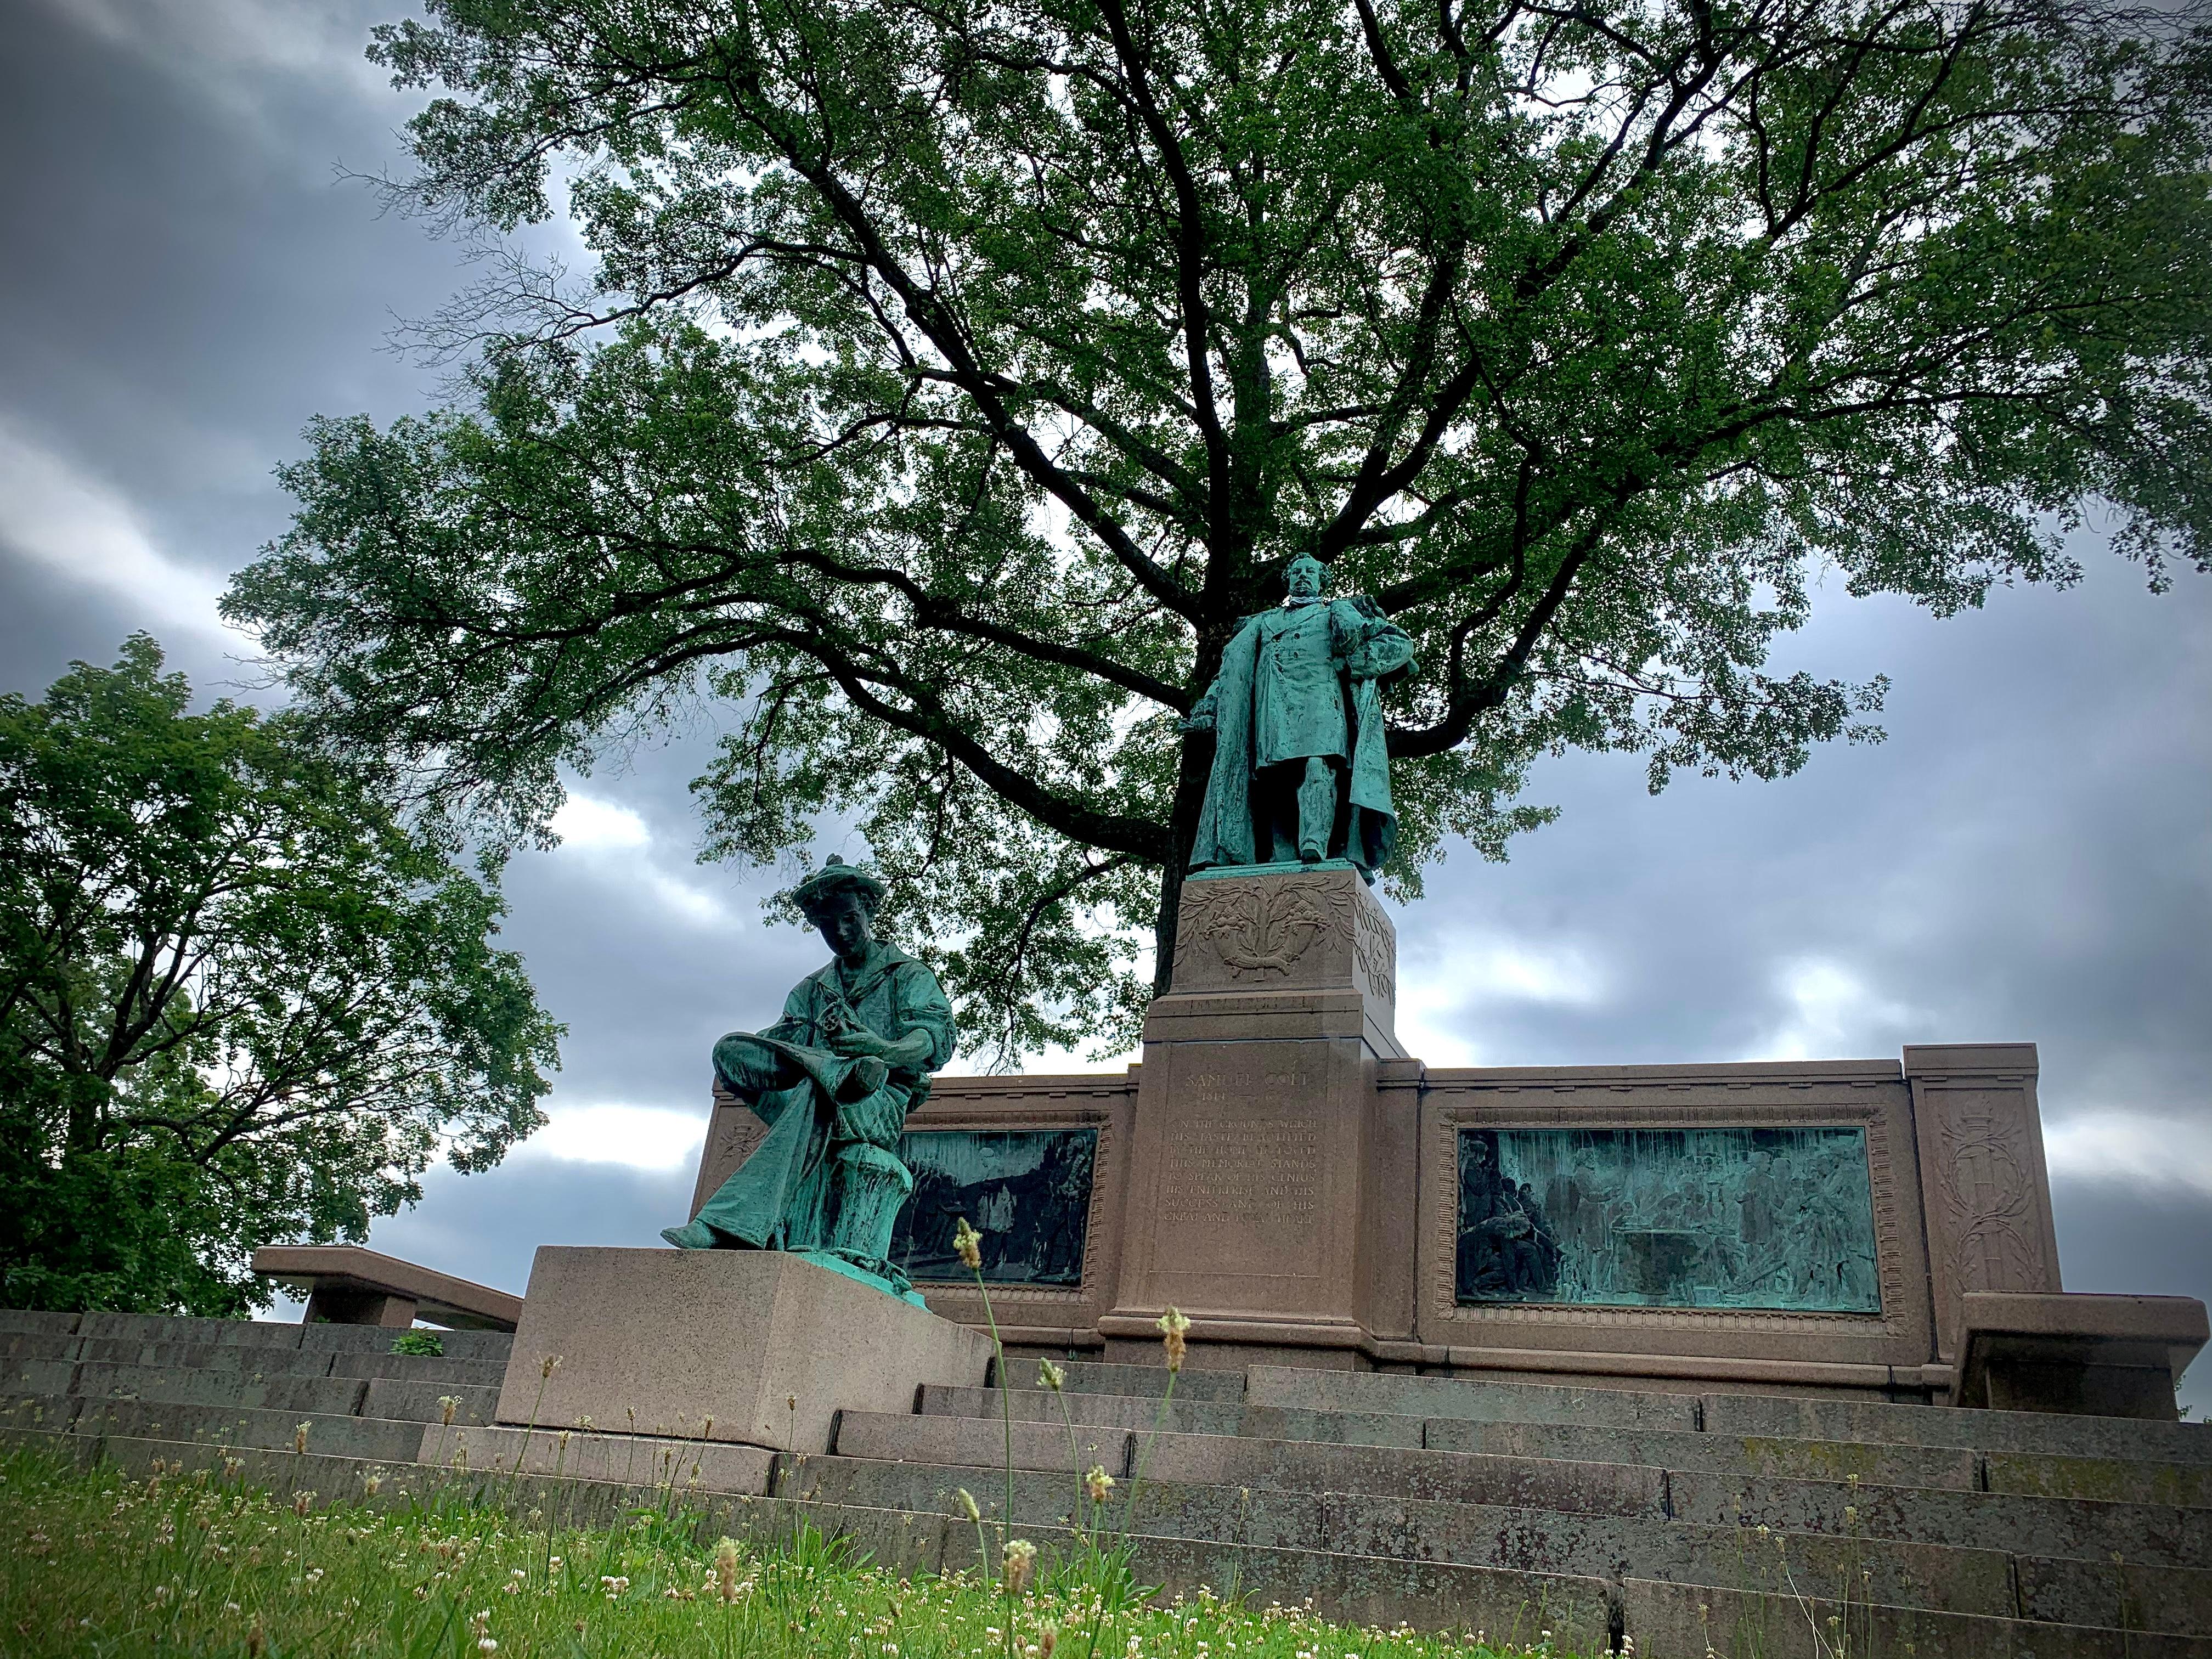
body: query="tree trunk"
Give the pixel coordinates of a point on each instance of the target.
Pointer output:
(1191, 777)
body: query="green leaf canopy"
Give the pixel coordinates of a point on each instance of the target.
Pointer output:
(240, 1001)
(956, 374)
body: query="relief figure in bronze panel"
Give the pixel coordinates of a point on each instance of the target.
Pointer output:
(1770, 1218)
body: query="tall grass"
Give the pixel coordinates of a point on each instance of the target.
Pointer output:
(103, 1564)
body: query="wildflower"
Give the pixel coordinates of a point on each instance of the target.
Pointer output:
(1021, 1561)
(583, 1423)
(613, 1583)
(371, 1485)
(447, 1404)
(1048, 1640)
(1098, 1483)
(487, 1645)
(968, 1245)
(302, 1502)
(968, 1503)
(1051, 1376)
(300, 1438)
(548, 1365)
(725, 1569)
(1173, 1324)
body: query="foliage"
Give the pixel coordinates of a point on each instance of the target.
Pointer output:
(104, 1564)
(955, 375)
(419, 1342)
(240, 1001)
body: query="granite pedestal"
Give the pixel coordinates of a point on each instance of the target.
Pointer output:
(1268, 1176)
(751, 1346)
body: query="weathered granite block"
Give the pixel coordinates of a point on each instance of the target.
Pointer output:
(755, 1346)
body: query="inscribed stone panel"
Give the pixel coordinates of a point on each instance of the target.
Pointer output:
(1726, 1218)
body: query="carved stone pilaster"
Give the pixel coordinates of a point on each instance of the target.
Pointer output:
(1985, 1192)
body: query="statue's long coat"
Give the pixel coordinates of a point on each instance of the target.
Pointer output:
(774, 1201)
(1364, 648)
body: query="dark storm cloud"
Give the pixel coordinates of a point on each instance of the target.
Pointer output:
(2029, 856)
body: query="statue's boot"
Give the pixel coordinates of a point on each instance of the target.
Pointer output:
(695, 1236)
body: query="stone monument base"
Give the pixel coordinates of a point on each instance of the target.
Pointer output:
(755, 1347)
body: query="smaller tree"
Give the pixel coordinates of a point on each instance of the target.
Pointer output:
(241, 1000)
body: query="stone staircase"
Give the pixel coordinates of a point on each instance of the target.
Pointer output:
(1751, 1524)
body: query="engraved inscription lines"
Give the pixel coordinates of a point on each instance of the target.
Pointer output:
(1216, 1166)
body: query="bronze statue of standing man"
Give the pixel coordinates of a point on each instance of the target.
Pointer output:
(834, 1080)
(1300, 772)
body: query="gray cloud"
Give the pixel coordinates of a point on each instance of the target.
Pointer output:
(2028, 857)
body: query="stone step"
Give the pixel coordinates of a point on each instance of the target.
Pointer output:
(491, 1348)
(626, 1459)
(409, 1399)
(1881, 1464)
(164, 1331)
(1099, 1377)
(1841, 1421)
(1276, 1466)
(2068, 1527)
(336, 1396)
(1586, 1613)
(1986, 1582)
(249, 1359)
(465, 1373)
(380, 1439)
(14, 1321)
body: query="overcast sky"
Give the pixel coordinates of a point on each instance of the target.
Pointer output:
(187, 280)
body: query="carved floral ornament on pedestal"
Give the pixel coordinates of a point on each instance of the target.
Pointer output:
(1262, 929)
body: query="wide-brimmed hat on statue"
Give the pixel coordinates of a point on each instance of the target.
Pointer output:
(836, 877)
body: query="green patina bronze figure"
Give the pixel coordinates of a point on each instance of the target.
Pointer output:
(1300, 770)
(834, 1080)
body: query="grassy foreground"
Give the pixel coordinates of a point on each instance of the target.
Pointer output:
(101, 1564)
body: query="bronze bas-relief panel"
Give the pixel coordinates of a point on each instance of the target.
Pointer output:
(1033, 1314)
(1869, 1097)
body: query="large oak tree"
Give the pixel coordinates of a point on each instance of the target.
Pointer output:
(955, 374)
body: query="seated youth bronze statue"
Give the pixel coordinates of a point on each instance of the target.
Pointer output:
(834, 1080)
